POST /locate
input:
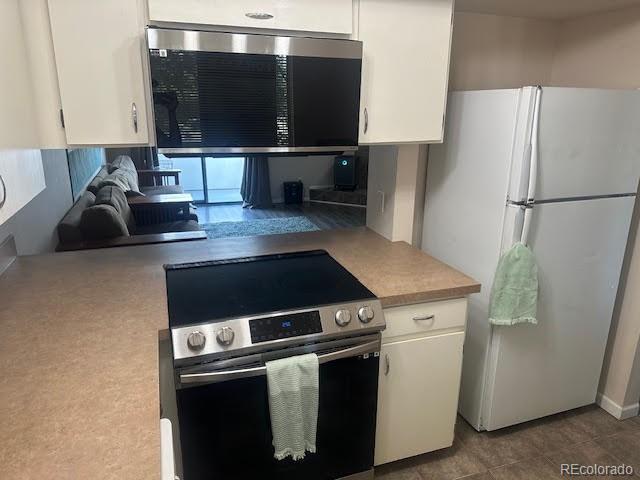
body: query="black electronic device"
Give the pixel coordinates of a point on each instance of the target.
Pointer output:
(344, 172)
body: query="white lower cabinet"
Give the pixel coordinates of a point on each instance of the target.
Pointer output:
(419, 383)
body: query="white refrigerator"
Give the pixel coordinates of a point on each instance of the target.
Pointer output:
(563, 164)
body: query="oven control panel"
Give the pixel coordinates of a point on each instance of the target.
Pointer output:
(285, 326)
(243, 335)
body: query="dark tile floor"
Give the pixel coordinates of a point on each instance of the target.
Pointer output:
(530, 451)
(324, 216)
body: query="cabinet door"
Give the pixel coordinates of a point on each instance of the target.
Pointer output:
(417, 396)
(98, 49)
(331, 16)
(405, 69)
(21, 179)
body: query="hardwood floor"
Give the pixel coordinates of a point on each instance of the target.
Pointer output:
(324, 216)
(531, 451)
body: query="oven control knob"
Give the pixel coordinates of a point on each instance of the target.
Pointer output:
(343, 317)
(196, 340)
(366, 314)
(225, 336)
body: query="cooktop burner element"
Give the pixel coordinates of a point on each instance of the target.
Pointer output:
(230, 307)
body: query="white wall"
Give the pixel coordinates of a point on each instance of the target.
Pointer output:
(395, 193)
(381, 189)
(34, 227)
(491, 51)
(313, 171)
(599, 51)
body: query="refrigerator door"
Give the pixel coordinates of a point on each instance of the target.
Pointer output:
(467, 182)
(538, 370)
(589, 144)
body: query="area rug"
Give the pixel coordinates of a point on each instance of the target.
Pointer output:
(262, 226)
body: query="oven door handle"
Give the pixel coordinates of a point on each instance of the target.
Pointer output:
(224, 375)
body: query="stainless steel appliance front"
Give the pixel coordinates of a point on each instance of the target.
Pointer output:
(229, 93)
(222, 42)
(242, 344)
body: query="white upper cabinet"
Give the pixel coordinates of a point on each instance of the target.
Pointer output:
(405, 69)
(330, 16)
(45, 90)
(17, 109)
(98, 51)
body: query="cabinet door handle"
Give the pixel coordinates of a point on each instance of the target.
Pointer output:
(259, 15)
(366, 120)
(4, 192)
(134, 116)
(387, 364)
(425, 318)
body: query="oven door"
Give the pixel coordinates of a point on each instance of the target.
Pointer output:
(225, 429)
(234, 93)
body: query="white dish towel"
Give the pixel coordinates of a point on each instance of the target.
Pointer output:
(293, 405)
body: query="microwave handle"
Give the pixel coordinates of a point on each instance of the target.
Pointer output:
(224, 375)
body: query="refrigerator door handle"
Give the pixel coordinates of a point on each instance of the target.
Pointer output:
(533, 168)
(535, 134)
(526, 224)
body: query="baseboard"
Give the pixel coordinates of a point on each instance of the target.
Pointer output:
(612, 408)
(279, 200)
(357, 205)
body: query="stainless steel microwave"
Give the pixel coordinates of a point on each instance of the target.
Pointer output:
(238, 93)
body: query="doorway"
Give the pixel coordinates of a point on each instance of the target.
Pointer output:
(210, 180)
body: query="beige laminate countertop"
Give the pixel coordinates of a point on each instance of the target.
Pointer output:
(78, 343)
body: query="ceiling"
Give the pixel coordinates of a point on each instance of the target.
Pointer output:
(548, 9)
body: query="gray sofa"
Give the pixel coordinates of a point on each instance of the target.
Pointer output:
(122, 173)
(106, 220)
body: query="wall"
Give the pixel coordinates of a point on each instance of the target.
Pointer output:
(619, 388)
(491, 51)
(602, 51)
(84, 164)
(599, 51)
(34, 226)
(383, 164)
(313, 171)
(396, 189)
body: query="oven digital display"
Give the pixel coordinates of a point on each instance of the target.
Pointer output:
(294, 325)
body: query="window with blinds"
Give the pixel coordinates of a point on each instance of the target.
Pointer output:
(208, 99)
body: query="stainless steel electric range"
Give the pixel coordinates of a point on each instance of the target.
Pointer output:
(227, 318)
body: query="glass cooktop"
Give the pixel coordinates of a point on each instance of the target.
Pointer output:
(209, 291)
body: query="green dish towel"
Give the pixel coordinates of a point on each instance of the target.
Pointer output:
(293, 405)
(514, 295)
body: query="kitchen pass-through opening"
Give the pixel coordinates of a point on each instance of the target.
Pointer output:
(281, 194)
